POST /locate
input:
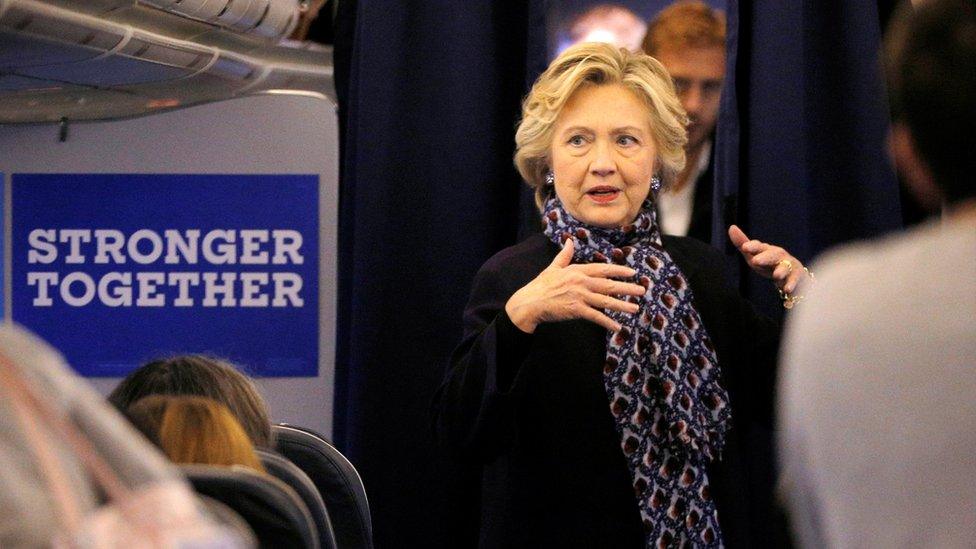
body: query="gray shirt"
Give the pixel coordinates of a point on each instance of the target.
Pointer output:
(29, 517)
(878, 395)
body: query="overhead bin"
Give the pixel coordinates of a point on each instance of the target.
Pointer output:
(98, 59)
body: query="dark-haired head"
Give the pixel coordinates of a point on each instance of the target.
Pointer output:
(205, 376)
(930, 64)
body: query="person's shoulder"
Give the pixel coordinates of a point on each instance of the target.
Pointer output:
(844, 275)
(532, 254)
(875, 305)
(865, 287)
(854, 259)
(916, 254)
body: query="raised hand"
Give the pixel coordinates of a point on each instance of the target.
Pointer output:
(768, 260)
(564, 291)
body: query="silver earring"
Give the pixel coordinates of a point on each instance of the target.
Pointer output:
(655, 183)
(550, 179)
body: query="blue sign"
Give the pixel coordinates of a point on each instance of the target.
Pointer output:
(115, 269)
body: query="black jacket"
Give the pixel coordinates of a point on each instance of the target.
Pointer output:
(531, 411)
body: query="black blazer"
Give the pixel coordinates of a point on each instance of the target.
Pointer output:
(531, 412)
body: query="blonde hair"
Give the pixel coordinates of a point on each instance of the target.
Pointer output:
(192, 429)
(598, 64)
(205, 376)
(685, 24)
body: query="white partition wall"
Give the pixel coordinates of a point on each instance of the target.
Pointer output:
(288, 139)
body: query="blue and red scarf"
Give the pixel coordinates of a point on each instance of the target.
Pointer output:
(661, 378)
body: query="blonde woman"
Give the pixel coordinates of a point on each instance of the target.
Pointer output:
(191, 429)
(205, 376)
(607, 373)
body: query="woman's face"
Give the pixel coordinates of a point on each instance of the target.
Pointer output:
(603, 155)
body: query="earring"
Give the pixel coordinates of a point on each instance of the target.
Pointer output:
(655, 183)
(550, 179)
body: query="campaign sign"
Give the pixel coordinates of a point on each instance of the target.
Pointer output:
(114, 269)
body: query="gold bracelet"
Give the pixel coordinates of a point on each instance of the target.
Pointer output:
(789, 300)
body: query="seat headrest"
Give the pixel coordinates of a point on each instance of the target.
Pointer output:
(271, 508)
(337, 480)
(279, 467)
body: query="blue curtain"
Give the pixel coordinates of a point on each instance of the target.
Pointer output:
(801, 154)
(801, 159)
(429, 97)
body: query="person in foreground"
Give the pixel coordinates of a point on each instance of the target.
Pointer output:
(76, 474)
(604, 369)
(878, 420)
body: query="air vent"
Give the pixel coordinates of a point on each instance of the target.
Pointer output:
(97, 7)
(145, 58)
(163, 51)
(229, 68)
(270, 19)
(242, 15)
(279, 21)
(204, 10)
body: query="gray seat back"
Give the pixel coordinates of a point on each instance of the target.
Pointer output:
(289, 473)
(337, 480)
(278, 517)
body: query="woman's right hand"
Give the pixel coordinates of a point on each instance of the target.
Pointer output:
(564, 292)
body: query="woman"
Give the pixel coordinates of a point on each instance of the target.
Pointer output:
(194, 430)
(601, 361)
(204, 376)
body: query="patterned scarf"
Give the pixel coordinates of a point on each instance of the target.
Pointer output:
(662, 380)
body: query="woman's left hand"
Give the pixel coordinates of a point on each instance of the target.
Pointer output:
(768, 260)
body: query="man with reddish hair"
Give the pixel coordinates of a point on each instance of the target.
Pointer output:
(688, 38)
